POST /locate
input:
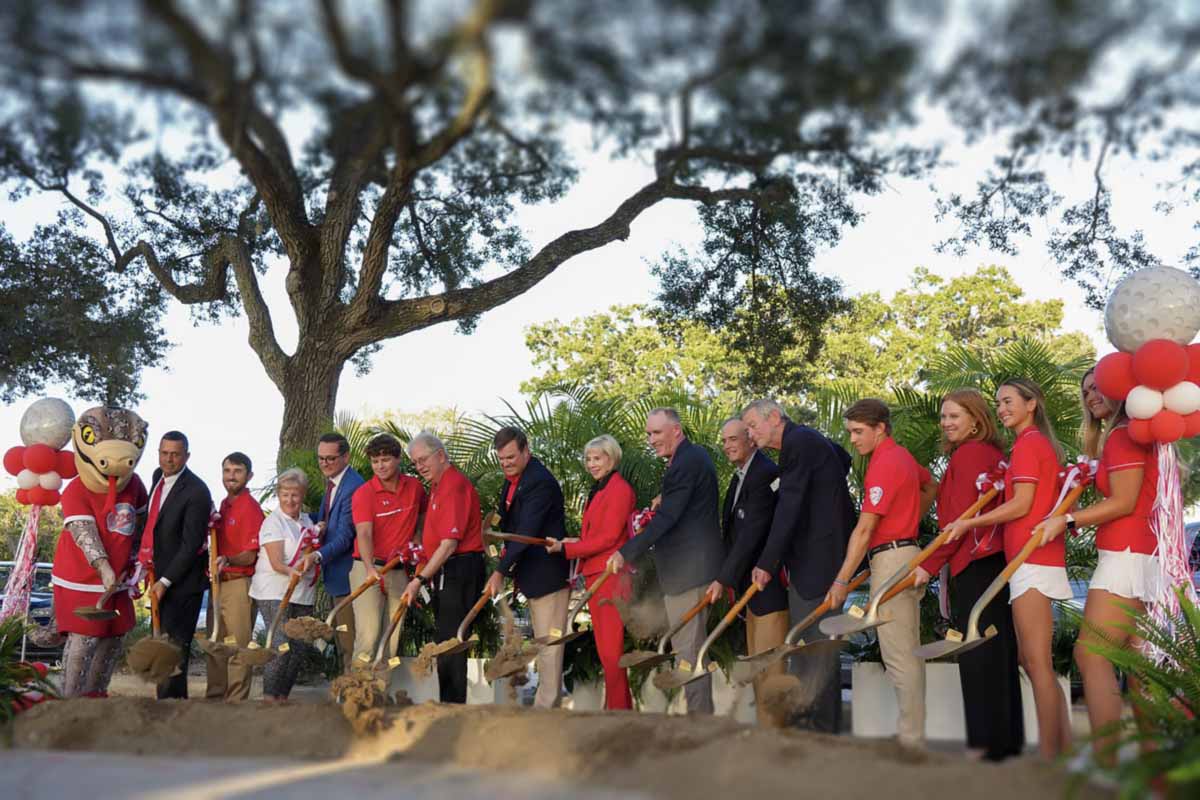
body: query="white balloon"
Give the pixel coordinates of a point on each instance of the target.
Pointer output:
(1182, 398)
(47, 421)
(51, 481)
(27, 479)
(1143, 402)
(1153, 303)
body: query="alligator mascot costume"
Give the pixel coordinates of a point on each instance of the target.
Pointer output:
(104, 510)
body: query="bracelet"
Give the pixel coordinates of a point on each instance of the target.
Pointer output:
(419, 578)
(840, 583)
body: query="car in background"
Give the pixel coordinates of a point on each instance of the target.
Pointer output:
(41, 607)
(1193, 546)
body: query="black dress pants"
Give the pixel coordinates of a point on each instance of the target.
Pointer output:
(991, 685)
(177, 618)
(458, 587)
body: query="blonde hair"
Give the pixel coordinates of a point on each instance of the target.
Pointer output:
(1031, 391)
(293, 477)
(976, 405)
(1092, 431)
(607, 445)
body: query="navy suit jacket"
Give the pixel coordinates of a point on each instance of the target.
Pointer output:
(337, 552)
(536, 510)
(685, 534)
(747, 524)
(814, 514)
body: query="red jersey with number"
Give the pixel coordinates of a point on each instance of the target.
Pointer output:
(957, 492)
(393, 514)
(453, 513)
(237, 532)
(1131, 532)
(117, 528)
(1035, 462)
(892, 490)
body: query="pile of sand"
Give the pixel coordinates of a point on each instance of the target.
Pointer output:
(514, 654)
(666, 756)
(362, 696)
(307, 629)
(427, 658)
(153, 659)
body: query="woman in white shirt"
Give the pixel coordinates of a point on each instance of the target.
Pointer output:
(280, 540)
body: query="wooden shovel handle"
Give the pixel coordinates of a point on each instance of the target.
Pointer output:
(293, 582)
(692, 612)
(746, 597)
(154, 617)
(940, 539)
(519, 538)
(473, 613)
(1035, 538)
(907, 583)
(823, 609)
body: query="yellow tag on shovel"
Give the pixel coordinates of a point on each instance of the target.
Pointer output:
(856, 612)
(685, 665)
(555, 633)
(394, 661)
(991, 631)
(953, 636)
(492, 551)
(283, 648)
(363, 657)
(800, 643)
(253, 646)
(341, 628)
(230, 640)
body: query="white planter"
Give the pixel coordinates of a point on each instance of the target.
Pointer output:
(420, 689)
(585, 697)
(874, 710)
(728, 700)
(480, 692)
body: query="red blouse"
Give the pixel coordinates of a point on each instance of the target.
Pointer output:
(605, 522)
(1033, 461)
(957, 493)
(1133, 531)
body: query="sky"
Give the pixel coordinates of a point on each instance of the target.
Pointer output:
(213, 388)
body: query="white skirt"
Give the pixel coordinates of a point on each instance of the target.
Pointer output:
(1050, 581)
(1126, 574)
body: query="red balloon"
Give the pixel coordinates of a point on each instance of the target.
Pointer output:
(66, 465)
(1114, 375)
(1160, 364)
(1191, 425)
(40, 458)
(23, 496)
(43, 497)
(1167, 426)
(1139, 431)
(1193, 373)
(14, 459)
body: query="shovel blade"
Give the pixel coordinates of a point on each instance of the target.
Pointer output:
(846, 624)
(570, 637)
(93, 613)
(644, 659)
(951, 646)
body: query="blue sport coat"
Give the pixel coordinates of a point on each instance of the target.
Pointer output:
(338, 549)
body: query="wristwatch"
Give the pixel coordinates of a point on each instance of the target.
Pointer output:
(419, 578)
(1070, 523)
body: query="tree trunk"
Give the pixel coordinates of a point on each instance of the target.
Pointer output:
(309, 388)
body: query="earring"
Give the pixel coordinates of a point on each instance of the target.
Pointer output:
(974, 429)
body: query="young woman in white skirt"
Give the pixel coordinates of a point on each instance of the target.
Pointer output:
(1126, 575)
(1030, 494)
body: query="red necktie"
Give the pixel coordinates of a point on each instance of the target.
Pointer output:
(146, 551)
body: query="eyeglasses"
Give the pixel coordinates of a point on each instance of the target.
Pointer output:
(328, 459)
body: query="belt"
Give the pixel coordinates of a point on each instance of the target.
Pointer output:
(898, 543)
(233, 576)
(379, 562)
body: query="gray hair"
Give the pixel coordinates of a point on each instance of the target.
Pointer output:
(607, 445)
(764, 407)
(429, 440)
(670, 413)
(292, 477)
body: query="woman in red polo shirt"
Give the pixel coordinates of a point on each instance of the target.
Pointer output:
(1030, 493)
(1126, 575)
(605, 517)
(991, 686)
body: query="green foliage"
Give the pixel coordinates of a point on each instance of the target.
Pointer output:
(1166, 730)
(16, 675)
(13, 517)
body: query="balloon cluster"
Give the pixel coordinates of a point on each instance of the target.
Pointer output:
(1151, 318)
(41, 465)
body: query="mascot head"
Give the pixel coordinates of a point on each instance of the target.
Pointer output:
(108, 443)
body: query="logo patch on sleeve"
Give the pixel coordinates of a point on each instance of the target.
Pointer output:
(876, 494)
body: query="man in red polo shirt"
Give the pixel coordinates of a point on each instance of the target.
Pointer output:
(237, 553)
(452, 537)
(897, 492)
(385, 511)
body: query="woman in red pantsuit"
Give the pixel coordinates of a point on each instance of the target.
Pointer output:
(605, 517)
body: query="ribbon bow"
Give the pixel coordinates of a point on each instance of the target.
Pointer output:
(410, 554)
(994, 479)
(310, 537)
(1081, 473)
(641, 519)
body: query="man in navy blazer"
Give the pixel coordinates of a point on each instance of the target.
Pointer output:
(814, 516)
(746, 515)
(337, 542)
(531, 503)
(685, 539)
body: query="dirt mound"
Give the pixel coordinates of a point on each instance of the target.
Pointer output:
(154, 660)
(307, 629)
(669, 757)
(427, 658)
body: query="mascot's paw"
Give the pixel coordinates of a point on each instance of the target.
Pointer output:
(46, 635)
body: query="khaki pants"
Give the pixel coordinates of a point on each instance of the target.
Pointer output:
(546, 612)
(231, 680)
(687, 643)
(373, 611)
(897, 641)
(762, 634)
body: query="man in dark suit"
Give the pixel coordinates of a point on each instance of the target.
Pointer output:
(337, 539)
(685, 538)
(531, 503)
(814, 516)
(746, 520)
(177, 519)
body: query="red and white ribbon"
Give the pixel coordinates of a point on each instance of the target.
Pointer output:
(20, 580)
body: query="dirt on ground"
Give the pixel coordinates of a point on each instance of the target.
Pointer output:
(307, 629)
(154, 659)
(666, 756)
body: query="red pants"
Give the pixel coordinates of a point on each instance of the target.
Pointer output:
(609, 631)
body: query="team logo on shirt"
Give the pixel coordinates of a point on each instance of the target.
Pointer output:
(876, 494)
(121, 519)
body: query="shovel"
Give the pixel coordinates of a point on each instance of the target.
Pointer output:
(558, 637)
(154, 658)
(212, 644)
(747, 668)
(684, 672)
(648, 658)
(955, 642)
(319, 633)
(539, 541)
(385, 665)
(293, 582)
(856, 620)
(460, 643)
(98, 612)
